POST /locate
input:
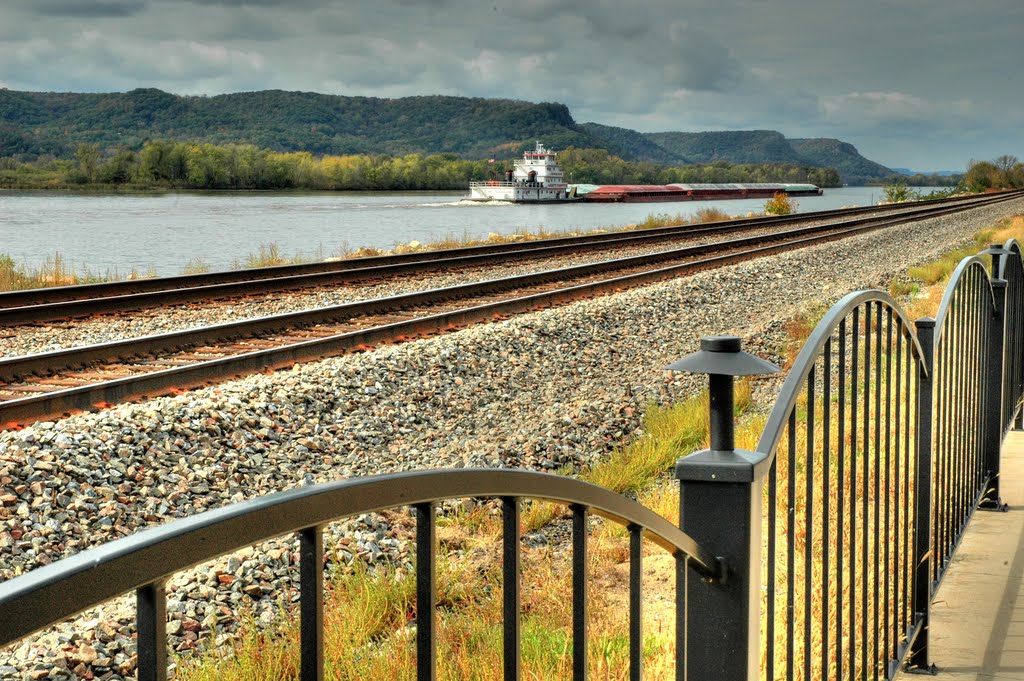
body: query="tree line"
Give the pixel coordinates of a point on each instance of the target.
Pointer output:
(183, 165)
(1003, 172)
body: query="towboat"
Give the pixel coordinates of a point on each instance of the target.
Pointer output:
(535, 178)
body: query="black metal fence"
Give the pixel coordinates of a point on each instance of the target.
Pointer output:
(143, 562)
(816, 555)
(841, 501)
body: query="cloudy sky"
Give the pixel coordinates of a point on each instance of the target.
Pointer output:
(913, 83)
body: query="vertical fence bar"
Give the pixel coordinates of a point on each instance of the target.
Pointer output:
(993, 394)
(636, 640)
(909, 371)
(682, 629)
(808, 523)
(791, 549)
(826, 497)
(887, 462)
(426, 592)
(876, 482)
(773, 493)
(854, 406)
(923, 558)
(311, 603)
(151, 626)
(942, 450)
(510, 587)
(580, 565)
(866, 498)
(841, 504)
(899, 557)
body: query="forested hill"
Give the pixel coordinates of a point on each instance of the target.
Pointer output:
(843, 156)
(41, 124)
(33, 123)
(740, 146)
(769, 146)
(632, 145)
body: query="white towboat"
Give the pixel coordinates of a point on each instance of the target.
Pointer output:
(536, 178)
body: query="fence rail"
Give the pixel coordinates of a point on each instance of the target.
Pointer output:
(818, 553)
(840, 496)
(143, 562)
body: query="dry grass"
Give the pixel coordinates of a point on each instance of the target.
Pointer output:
(465, 240)
(370, 622)
(55, 271)
(924, 285)
(780, 204)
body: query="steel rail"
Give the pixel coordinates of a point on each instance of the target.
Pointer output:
(51, 304)
(12, 368)
(58, 403)
(66, 587)
(106, 289)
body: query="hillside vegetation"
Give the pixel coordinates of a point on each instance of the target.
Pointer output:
(843, 156)
(181, 165)
(633, 145)
(41, 126)
(34, 123)
(739, 146)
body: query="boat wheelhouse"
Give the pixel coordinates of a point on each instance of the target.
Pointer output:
(535, 178)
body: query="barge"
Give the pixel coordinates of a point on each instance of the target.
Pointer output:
(629, 193)
(537, 178)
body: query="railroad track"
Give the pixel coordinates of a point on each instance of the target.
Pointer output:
(53, 384)
(61, 303)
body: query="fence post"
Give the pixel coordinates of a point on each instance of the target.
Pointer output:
(923, 557)
(994, 397)
(720, 507)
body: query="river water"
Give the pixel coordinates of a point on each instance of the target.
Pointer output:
(116, 234)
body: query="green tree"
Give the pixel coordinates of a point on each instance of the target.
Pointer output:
(88, 157)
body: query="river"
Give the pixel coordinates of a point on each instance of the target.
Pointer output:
(117, 234)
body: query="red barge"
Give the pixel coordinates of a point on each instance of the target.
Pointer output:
(626, 193)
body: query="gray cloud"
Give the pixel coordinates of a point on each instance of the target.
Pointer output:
(86, 8)
(879, 73)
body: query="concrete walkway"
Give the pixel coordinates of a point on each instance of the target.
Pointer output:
(977, 627)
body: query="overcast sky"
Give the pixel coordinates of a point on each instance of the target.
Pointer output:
(913, 83)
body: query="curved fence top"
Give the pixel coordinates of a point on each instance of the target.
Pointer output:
(69, 586)
(805, 361)
(970, 264)
(1014, 247)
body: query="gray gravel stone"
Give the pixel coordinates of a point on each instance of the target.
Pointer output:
(556, 388)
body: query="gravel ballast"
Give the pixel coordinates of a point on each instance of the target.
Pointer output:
(21, 340)
(544, 390)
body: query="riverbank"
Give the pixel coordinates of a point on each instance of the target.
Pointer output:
(166, 234)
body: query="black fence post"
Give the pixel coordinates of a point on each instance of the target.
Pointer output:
(151, 625)
(720, 507)
(994, 396)
(924, 558)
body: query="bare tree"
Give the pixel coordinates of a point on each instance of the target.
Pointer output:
(1005, 162)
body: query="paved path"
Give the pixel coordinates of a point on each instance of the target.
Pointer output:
(978, 612)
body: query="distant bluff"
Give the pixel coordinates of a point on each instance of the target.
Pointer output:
(33, 124)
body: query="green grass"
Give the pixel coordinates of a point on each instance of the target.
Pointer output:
(370, 626)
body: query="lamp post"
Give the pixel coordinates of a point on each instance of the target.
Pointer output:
(720, 507)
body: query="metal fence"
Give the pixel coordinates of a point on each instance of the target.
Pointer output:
(143, 562)
(841, 500)
(815, 556)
